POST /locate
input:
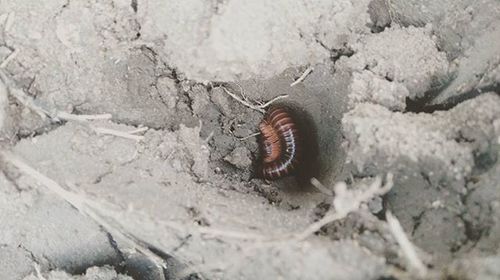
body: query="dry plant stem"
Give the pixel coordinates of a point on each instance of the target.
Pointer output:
(23, 98)
(209, 137)
(9, 21)
(9, 59)
(344, 204)
(231, 234)
(310, 230)
(415, 264)
(259, 108)
(249, 136)
(317, 184)
(303, 76)
(72, 117)
(38, 272)
(117, 133)
(82, 205)
(29, 102)
(270, 102)
(138, 130)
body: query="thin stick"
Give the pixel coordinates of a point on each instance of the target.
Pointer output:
(248, 136)
(231, 234)
(414, 262)
(209, 137)
(29, 102)
(38, 271)
(9, 58)
(9, 21)
(118, 133)
(314, 227)
(259, 108)
(317, 184)
(345, 203)
(138, 130)
(303, 76)
(269, 103)
(72, 117)
(22, 97)
(254, 107)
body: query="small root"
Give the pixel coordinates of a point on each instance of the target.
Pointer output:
(209, 137)
(139, 130)
(317, 184)
(81, 118)
(303, 76)
(345, 202)
(127, 135)
(415, 264)
(244, 100)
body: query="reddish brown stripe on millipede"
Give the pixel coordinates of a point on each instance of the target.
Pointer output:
(280, 144)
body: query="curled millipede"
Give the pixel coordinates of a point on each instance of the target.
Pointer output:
(280, 144)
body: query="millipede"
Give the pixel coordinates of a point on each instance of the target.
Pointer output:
(280, 143)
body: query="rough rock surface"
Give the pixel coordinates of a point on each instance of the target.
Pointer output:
(386, 73)
(434, 155)
(449, 139)
(467, 31)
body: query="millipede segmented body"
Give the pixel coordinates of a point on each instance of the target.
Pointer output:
(280, 144)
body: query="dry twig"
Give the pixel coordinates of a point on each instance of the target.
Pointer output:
(11, 56)
(346, 202)
(303, 76)
(415, 264)
(81, 118)
(317, 184)
(248, 136)
(259, 107)
(209, 137)
(9, 21)
(231, 234)
(38, 272)
(123, 134)
(29, 102)
(22, 97)
(138, 130)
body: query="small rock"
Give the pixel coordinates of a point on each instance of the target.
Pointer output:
(239, 157)
(168, 91)
(221, 100)
(376, 205)
(199, 97)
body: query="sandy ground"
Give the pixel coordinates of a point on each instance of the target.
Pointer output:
(127, 146)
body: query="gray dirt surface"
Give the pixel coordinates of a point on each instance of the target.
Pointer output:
(92, 273)
(402, 87)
